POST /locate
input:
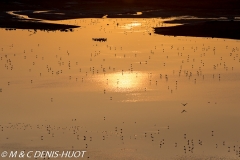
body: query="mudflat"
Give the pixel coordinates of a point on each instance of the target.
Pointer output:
(212, 29)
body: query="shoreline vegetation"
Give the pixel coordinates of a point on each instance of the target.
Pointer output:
(71, 9)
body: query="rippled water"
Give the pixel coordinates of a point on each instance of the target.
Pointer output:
(126, 95)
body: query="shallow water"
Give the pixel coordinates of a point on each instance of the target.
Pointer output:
(124, 95)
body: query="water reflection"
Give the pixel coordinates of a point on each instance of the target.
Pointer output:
(125, 81)
(131, 25)
(139, 13)
(126, 96)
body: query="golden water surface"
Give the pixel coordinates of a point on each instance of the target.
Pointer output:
(137, 95)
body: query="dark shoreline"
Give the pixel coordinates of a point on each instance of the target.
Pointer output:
(214, 29)
(13, 25)
(65, 9)
(10, 22)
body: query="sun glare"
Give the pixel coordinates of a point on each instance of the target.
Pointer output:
(131, 25)
(125, 82)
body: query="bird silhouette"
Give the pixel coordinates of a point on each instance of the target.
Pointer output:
(183, 111)
(184, 104)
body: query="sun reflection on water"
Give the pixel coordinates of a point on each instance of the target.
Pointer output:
(125, 82)
(131, 25)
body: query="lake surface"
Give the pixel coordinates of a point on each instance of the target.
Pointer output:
(137, 95)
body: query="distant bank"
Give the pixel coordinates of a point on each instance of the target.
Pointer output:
(71, 9)
(213, 29)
